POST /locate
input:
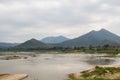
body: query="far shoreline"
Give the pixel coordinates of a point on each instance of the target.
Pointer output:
(59, 52)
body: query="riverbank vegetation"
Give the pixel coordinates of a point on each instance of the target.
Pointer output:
(97, 73)
(89, 49)
(94, 79)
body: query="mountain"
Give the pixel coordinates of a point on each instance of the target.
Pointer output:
(94, 38)
(5, 45)
(54, 40)
(32, 44)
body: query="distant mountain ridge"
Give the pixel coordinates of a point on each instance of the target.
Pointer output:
(32, 44)
(4, 45)
(54, 40)
(94, 38)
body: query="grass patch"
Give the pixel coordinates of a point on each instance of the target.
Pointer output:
(100, 71)
(94, 79)
(97, 73)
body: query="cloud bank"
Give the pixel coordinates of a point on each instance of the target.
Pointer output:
(24, 19)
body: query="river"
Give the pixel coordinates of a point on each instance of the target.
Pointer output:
(53, 66)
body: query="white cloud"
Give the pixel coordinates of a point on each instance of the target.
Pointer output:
(24, 19)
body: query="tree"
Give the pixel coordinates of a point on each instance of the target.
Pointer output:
(90, 47)
(106, 46)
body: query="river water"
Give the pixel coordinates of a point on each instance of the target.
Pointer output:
(53, 66)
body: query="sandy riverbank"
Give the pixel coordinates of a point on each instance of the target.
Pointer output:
(12, 57)
(13, 76)
(105, 72)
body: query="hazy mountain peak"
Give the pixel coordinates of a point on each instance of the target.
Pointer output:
(103, 30)
(32, 44)
(93, 31)
(61, 36)
(33, 39)
(54, 39)
(95, 38)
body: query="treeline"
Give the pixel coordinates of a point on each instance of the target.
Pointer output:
(88, 49)
(104, 47)
(99, 49)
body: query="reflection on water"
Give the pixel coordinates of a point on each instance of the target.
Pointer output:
(53, 66)
(100, 61)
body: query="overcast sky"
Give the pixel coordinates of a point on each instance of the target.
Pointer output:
(21, 20)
